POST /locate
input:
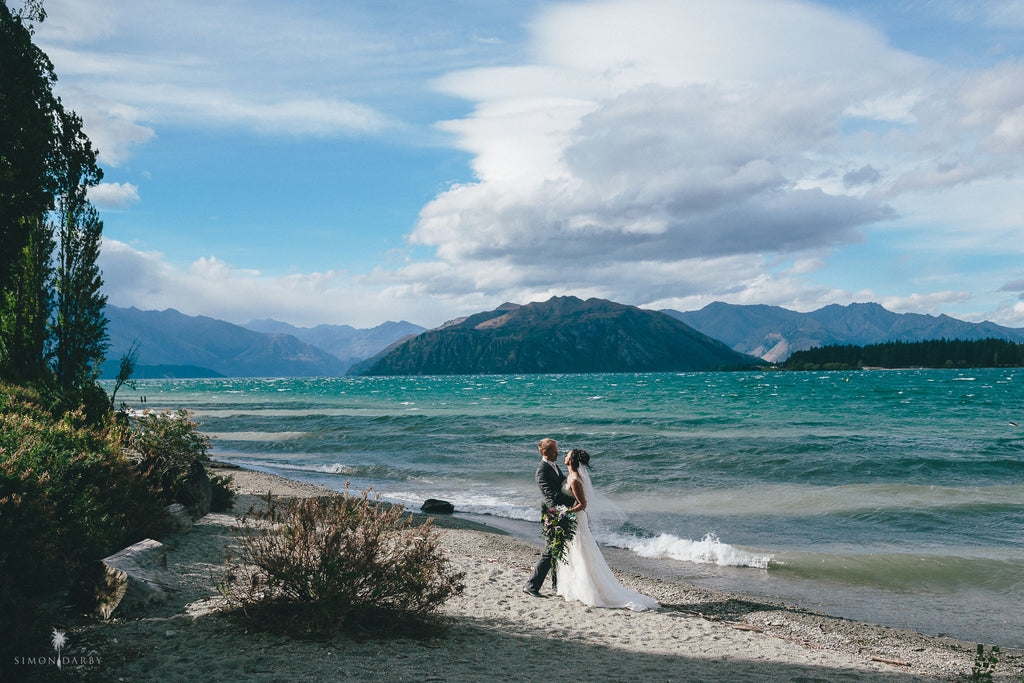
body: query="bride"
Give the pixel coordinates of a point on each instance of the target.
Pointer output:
(582, 573)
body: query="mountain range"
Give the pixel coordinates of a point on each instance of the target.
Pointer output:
(172, 344)
(342, 341)
(564, 334)
(773, 333)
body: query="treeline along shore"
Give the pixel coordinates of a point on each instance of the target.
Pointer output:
(939, 353)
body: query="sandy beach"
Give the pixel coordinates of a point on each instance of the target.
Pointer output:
(498, 633)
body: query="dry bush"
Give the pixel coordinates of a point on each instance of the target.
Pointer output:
(343, 562)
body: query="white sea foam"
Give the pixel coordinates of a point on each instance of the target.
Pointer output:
(288, 412)
(708, 550)
(330, 468)
(256, 436)
(333, 468)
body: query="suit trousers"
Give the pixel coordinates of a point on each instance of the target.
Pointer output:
(540, 572)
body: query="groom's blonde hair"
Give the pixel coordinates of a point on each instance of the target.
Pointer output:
(546, 445)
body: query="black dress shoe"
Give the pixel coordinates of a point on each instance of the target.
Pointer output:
(530, 590)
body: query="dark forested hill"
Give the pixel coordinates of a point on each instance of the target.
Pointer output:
(563, 334)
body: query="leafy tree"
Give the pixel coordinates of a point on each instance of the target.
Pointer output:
(68, 495)
(27, 188)
(27, 107)
(27, 305)
(51, 315)
(80, 329)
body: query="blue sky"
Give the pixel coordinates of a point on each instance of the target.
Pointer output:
(356, 162)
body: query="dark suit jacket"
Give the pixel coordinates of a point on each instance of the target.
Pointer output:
(551, 487)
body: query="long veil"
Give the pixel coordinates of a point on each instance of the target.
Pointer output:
(601, 511)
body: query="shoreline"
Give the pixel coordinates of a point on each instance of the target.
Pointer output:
(495, 630)
(970, 612)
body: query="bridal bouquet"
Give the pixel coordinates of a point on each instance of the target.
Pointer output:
(559, 528)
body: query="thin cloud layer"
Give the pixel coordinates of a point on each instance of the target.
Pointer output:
(199, 64)
(422, 293)
(209, 286)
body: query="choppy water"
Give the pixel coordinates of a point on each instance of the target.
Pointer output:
(891, 496)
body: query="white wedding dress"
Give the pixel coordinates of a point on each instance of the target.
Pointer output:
(584, 575)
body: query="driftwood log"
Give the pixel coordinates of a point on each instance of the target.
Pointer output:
(127, 580)
(894, 662)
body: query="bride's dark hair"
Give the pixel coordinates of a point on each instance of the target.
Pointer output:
(577, 457)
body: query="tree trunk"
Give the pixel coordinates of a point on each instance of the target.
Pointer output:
(131, 578)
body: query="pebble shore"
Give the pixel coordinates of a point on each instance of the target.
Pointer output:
(498, 633)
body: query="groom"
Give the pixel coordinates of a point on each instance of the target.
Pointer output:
(550, 480)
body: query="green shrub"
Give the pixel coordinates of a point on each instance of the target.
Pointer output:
(320, 565)
(223, 493)
(984, 664)
(68, 495)
(167, 443)
(29, 529)
(86, 499)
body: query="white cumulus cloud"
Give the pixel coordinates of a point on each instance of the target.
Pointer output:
(661, 132)
(114, 195)
(646, 139)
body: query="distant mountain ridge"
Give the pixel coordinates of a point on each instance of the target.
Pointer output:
(172, 344)
(199, 344)
(561, 335)
(344, 342)
(564, 334)
(774, 333)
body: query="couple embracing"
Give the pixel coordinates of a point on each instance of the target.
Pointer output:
(582, 574)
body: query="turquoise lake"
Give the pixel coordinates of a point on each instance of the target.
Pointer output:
(895, 497)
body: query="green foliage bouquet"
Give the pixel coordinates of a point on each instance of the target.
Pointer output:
(559, 530)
